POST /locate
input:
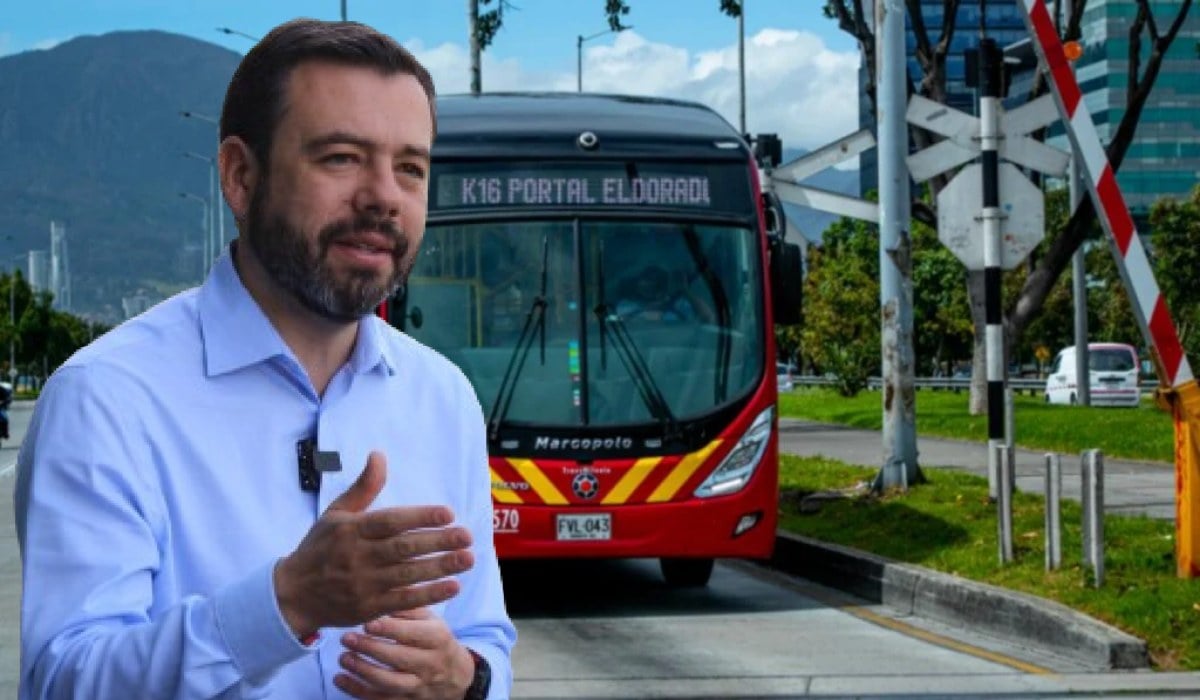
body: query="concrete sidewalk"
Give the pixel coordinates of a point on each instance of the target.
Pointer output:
(975, 608)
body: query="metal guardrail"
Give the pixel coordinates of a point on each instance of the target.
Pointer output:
(1020, 385)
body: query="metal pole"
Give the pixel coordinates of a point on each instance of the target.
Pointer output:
(742, 66)
(1009, 465)
(220, 219)
(895, 262)
(207, 225)
(343, 10)
(989, 133)
(210, 246)
(579, 63)
(1083, 388)
(1093, 513)
(1004, 504)
(473, 41)
(12, 322)
(1053, 511)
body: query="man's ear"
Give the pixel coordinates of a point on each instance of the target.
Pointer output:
(241, 174)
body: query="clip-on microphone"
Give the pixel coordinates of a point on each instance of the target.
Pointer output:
(312, 462)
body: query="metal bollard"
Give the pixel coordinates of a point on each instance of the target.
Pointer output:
(1010, 423)
(1092, 479)
(1010, 436)
(1053, 511)
(1004, 504)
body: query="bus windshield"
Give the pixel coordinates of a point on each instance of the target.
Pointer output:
(594, 322)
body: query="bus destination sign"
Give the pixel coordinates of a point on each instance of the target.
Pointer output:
(694, 187)
(516, 191)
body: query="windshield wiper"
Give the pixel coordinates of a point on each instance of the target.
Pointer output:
(535, 318)
(636, 365)
(721, 304)
(602, 310)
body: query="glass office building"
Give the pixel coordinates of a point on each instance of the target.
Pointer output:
(1164, 158)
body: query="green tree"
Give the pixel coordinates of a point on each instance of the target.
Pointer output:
(1053, 328)
(841, 306)
(1151, 33)
(42, 337)
(34, 330)
(1110, 315)
(1175, 245)
(941, 316)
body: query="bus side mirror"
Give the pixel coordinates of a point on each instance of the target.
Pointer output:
(787, 283)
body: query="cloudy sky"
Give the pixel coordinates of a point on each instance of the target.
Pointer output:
(800, 70)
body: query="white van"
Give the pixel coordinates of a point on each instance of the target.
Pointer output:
(1113, 371)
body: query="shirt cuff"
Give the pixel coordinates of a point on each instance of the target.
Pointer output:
(259, 639)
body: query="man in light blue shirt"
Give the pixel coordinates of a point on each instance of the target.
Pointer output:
(258, 489)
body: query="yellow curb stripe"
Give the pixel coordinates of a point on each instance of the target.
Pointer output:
(839, 600)
(632, 479)
(538, 482)
(503, 495)
(681, 473)
(943, 641)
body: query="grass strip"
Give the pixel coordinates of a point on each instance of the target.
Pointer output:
(1143, 433)
(948, 525)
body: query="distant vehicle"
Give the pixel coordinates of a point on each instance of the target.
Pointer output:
(6, 396)
(784, 377)
(1113, 376)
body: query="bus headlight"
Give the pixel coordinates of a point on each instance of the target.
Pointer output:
(738, 466)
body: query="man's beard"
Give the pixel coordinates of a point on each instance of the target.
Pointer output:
(284, 251)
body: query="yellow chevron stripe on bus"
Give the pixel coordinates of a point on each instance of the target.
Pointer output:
(503, 495)
(538, 481)
(681, 473)
(632, 479)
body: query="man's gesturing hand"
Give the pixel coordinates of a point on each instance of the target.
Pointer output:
(354, 566)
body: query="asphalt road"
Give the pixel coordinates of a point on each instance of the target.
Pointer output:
(1129, 486)
(612, 629)
(10, 559)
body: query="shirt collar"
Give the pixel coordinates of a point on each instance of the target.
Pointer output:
(371, 351)
(236, 333)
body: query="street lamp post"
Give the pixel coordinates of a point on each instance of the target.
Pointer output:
(579, 39)
(204, 202)
(234, 32)
(12, 321)
(218, 212)
(742, 66)
(210, 244)
(202, 117)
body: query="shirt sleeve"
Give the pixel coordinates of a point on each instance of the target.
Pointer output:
(477, 616)
(91, 525)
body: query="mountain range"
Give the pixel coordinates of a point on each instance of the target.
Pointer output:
(94, 137)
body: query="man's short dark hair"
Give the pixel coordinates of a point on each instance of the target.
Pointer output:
(254, 102)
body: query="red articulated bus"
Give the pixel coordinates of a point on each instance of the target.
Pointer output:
(600, 269)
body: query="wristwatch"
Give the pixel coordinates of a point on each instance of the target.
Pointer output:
(481, 681)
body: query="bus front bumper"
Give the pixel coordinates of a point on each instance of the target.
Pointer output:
(719, 527)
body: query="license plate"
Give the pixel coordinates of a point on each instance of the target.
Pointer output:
(585, 526)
